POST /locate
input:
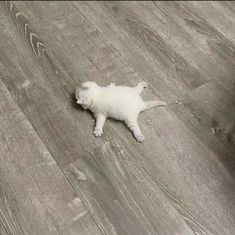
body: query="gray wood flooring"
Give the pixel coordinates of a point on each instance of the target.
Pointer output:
(57, 178)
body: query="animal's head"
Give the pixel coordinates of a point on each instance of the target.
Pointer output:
(85, 94)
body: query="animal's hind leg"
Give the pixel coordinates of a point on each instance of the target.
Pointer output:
(140, 87)
(134, 127)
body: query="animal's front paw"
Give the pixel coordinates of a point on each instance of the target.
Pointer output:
(140, 138)
(98, 132)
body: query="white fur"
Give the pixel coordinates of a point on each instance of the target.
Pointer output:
(119, 102)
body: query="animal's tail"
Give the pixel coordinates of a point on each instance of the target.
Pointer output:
(153, 103)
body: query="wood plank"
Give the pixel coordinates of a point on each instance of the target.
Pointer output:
(218, 105)
(128, 190)
(213, 62)
(174, 170)
(43, 89)
(35, 197)
(218, 16)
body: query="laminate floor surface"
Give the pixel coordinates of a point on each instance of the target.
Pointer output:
(57, 178)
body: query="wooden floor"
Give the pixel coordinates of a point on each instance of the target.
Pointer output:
(57, 178)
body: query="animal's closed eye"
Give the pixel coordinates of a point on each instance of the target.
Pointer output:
(84, 87)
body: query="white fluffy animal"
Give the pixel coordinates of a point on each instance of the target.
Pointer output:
(119, 102)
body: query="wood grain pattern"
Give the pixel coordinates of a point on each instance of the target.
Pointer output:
(181, 180)
(35, 197)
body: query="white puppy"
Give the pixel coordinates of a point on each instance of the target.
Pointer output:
(119, 102)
